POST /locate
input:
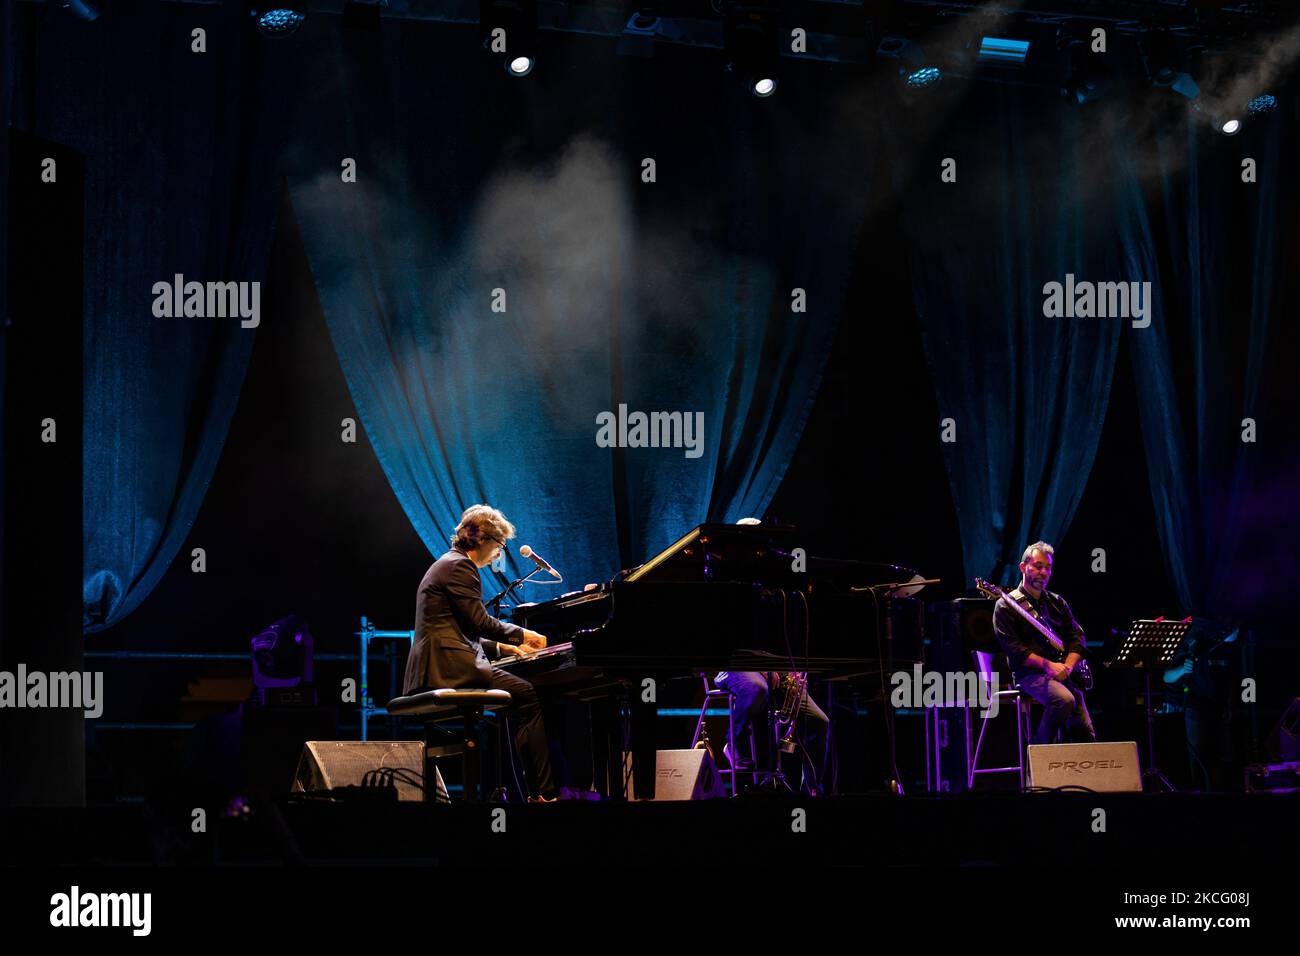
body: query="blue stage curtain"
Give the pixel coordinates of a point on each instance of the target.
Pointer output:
(668, 296)
(1027, 394)
(180, 178)
(1221, 503)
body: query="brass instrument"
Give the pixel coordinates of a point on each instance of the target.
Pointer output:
(793, 688)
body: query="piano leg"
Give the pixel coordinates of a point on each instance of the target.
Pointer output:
(604, 734)
(643, 718)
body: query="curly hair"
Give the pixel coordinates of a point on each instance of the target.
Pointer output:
(480, 523)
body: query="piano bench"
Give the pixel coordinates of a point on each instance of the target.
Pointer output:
(445, 704)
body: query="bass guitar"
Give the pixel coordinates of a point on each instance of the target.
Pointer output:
(1081, 674)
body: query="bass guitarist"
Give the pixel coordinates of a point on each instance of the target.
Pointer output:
(1040, 671)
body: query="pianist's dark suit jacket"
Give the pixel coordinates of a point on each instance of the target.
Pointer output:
(455, 637)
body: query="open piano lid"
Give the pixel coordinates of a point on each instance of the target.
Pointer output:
(722, 552)
(731, 552)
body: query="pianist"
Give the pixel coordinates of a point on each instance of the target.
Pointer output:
(456, 639)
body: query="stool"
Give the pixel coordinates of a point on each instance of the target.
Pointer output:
(445, 704)
(701, 736)
(984, 667)
(775, 776)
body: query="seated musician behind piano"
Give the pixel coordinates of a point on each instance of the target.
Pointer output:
(752, 690)
(456, 639)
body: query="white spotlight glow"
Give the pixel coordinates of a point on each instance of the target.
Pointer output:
(520, 66)
(1230, 127)
(764, 87)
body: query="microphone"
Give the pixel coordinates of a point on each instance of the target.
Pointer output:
(537, 559)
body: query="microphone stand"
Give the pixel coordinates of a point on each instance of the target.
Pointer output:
(495, 603)
(886, 661)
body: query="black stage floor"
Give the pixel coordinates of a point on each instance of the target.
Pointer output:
(939, 868)
(1250, 830)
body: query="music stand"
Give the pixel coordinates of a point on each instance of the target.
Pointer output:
(1147, 645)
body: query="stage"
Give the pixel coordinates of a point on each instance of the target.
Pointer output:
(702, 396)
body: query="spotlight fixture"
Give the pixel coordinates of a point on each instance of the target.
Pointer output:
(1180, 83)
(520, 65)
(1265, 103)
(1002, 51)
(750, 40)
(282, 654)
(508, 30)
(277, 21)
(924, 78)
(913, 67)
(1090, 76)
(638, 37)
(1223, 122)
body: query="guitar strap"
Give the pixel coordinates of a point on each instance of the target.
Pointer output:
(1023, 600)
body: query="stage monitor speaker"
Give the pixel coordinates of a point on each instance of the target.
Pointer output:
(1104, 767)
(326, 764)
(955, 628)
(683, 775)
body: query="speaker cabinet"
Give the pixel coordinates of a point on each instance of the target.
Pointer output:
(1104, 767)
(326, 764)
(956, 628)
(684, 775)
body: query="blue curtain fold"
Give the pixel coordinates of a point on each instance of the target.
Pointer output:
(1220, 502)
(657, 296)
(180, 178)
(1027, 394)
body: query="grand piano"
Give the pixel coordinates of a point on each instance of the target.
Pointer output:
(722, 597)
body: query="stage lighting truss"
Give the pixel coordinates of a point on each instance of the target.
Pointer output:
(1024, 47)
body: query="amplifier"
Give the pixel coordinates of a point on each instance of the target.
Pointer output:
(1104, 767)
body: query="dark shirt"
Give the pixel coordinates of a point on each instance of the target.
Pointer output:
(1018, 638)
